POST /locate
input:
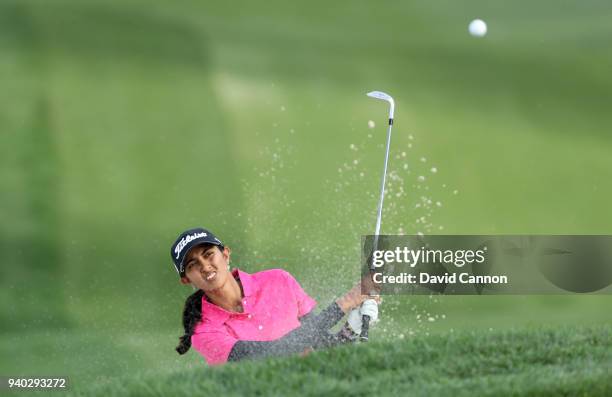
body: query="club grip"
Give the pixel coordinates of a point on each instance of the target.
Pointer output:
(365, 328)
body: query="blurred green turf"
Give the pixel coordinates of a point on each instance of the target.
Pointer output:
(125, 122)
(543, 362)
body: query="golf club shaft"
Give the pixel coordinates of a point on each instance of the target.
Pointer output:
(365, 320)
(382, 185)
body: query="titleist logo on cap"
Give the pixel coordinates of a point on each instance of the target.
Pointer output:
(185, 240)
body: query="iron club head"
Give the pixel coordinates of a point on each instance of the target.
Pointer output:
(385, 97)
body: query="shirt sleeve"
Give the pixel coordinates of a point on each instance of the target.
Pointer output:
(304, 301)
(215, 345)
(312, 333)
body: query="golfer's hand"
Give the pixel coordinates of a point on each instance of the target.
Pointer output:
(354, 298)
(368, 286)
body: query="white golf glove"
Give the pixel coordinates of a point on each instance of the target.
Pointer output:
(368, 307)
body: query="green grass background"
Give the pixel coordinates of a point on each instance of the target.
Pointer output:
(122, 123)
(540, 362)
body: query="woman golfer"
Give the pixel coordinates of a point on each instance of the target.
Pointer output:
(235, 315)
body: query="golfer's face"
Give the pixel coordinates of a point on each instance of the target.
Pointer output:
(206, 267)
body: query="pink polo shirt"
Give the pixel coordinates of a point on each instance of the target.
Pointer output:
(273, 302)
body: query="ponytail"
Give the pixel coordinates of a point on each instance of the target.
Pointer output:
(192, 314)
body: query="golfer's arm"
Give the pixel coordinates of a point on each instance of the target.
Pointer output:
(312, 332)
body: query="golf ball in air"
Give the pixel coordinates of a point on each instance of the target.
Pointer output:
(478, 28)
(371, 124)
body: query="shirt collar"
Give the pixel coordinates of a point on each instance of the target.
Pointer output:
(248, 284)
(215, 314)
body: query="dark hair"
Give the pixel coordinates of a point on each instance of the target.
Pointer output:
(192, 314)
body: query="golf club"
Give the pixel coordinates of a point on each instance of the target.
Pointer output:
(365, 322)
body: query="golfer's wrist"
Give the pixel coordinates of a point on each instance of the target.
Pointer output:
(345, 304)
